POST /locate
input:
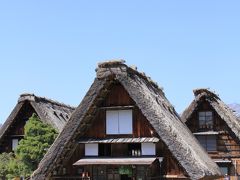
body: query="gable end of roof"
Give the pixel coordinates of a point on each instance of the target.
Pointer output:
(155, 107)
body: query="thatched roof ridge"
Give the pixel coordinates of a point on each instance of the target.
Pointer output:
(112, 67)
(33, 97)
(155, 107)
(52, 112)
(205, 91)
(111, 63)
(223, 110)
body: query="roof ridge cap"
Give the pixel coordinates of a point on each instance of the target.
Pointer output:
(33, 98)
(119, 66)
(111, 63)
(205, 91)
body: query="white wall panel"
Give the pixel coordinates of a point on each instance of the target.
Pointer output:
(91, 149)
(148, 149)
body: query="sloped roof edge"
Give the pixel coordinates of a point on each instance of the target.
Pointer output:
(218, 105)
(32, 97)
(10, 118)
(36, 102)
(156, 108)
(63, 140)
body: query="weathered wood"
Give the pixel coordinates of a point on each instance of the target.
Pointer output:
(16, 129)
(225, 126)
(51, 112)
(153, 116)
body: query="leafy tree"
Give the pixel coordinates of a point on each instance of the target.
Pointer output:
(38, 137)
(16, 168)
(4, 161)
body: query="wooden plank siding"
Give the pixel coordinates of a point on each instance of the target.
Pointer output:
(16, 129)
(118, 96)
(228, 145)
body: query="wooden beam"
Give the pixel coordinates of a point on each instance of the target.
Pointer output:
(117, 107)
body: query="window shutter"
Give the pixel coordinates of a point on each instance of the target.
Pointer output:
(14, 144)
(148, 149)
(125, 121)
(119, 122)
(91, 149)
(112, 122)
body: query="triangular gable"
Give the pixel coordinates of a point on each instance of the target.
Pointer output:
(10, 120)
(65, 143)
(49, 111)
(143, 131)
(154, 106)
(218, 105)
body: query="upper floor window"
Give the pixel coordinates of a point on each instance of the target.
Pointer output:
(14, 144)
(119, 122)
(208, 142)
(205, 120)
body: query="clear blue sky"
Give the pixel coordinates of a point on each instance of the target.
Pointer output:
(51, 48)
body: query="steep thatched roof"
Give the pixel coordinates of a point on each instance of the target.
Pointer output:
(54, 113)
(218, 105)
(155, 107)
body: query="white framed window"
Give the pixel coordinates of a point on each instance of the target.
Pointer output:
(148, 149)
(91, 149)
(208, 142)
(14, 144)
(119, 122)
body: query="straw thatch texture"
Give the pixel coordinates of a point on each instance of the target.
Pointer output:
(218, 105)
(54, 113)
(155, 107)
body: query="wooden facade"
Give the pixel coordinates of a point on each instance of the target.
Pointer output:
(118, 98)
(51, 112)
(125, 128)
(16, 129)
(224, 145)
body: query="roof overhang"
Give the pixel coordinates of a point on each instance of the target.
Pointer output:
(206, 133)
(117, 161)
(119, 140)
(222, 161)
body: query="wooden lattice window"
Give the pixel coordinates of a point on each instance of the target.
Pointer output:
(205, 120)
